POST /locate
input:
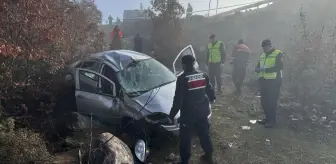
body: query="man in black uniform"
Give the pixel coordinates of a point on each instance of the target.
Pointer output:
(192, 96)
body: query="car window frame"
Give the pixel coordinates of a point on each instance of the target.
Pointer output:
(91, 60)
(80, 65)
(99, 75)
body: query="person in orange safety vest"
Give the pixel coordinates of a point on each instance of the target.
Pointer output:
(239, 59)
(116, 36)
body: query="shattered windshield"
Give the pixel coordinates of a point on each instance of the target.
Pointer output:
(142, 76)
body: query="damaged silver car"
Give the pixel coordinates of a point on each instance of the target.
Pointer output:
(119, 87)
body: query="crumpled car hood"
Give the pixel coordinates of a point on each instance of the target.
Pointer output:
(161, 99)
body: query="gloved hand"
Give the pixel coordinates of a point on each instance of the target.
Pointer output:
(259, 70)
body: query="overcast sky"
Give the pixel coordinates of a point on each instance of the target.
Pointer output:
(116, 7)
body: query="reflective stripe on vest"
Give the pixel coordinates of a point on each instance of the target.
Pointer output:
(214, 52)
(269, 62)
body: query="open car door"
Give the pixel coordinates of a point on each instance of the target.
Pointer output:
(96, 94)
(177, 64)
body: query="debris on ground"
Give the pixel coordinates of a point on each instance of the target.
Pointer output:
(253, 121)
(293, 118)
(230, 145)
(267, 142)
(314, 118)
(246, 127)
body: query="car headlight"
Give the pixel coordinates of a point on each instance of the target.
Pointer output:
(140, 150)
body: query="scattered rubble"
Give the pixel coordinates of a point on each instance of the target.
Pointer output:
(253, 121)
(246, 127)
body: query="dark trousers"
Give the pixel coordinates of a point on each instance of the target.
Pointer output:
(269, 92)
(215, 73)
(202, 127)
(238, 75)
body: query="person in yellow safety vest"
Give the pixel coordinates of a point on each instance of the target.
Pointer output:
(215, 59)
(269, 68)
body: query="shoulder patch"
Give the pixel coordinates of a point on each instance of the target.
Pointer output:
(196, 81)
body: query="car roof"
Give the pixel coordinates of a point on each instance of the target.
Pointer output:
(120, 58)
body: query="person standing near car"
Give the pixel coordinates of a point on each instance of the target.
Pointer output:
(193, 95)
(138, 40)
(269, 69)
(215, 61)
(239, 59)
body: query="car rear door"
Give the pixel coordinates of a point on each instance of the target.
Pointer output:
(177, 64)
(96, 95)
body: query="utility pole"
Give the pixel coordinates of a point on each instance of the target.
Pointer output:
(217, 7)
(209, 8)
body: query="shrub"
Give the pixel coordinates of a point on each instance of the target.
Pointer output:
(21, 147)
(310, 69)
(38, 38)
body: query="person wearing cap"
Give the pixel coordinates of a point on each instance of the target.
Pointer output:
(193, 95)
(269, 68)
(239, 59)
(215, 61)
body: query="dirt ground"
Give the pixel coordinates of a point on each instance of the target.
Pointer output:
(292, 141)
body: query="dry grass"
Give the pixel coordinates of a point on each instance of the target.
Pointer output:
(291, 142)
(22, 146)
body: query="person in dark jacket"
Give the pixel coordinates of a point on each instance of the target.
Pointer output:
(138, 43)
(269, 69)
(215, 61)
(193, 95)
(239, 59)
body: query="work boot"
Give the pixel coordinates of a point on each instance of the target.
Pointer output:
(262, 122)
(269, 125)
(207, 159)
